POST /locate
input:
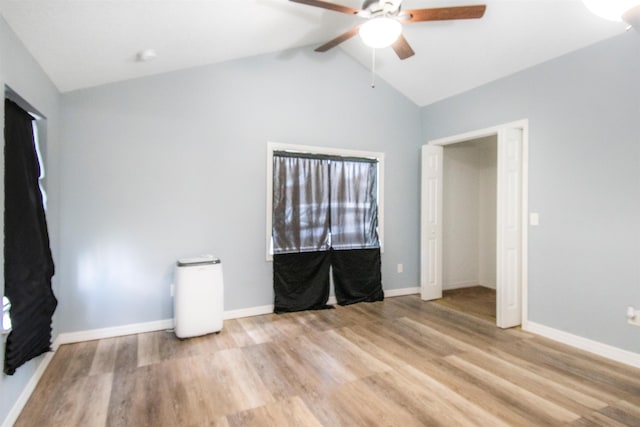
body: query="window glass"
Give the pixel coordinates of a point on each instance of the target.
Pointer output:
(322, 202)
(6, 318)
(370, 177)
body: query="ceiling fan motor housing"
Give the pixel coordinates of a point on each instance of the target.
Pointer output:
(382, 7)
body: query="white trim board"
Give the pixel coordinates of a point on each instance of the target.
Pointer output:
(268, 309)
(595, 347)
(390, 293)
(248, 312)
(461, 285)
(480, 133)
(116, 331)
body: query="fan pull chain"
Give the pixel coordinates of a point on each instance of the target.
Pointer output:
(373, 68)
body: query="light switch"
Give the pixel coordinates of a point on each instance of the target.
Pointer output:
(534, 219)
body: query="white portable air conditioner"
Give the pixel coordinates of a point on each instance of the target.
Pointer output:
(199, 296)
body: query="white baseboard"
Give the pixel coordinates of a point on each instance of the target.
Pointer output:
(139, 328)
(595, 347)
(266, 309)
(116, 331)
(401, 292)
(459, 285)
(463, 285)
(248, 312)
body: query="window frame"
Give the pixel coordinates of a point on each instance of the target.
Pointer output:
(307, 149)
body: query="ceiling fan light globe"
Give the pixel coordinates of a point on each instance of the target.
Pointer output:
(610, 9)
(380, 32)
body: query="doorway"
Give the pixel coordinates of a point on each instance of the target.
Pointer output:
(473, 215)
(469, 202)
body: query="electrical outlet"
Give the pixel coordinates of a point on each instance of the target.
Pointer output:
(633, 316)
(534, 219)
(172, 290)
(400, 268)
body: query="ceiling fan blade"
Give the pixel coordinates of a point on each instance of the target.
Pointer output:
(341, 38)
(443, 13)
(402, 48)
(331, 6)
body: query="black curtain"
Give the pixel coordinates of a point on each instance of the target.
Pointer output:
(356, 275)
(301, 281)
(28, 265)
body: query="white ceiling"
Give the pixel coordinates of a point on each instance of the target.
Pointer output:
(83, 43)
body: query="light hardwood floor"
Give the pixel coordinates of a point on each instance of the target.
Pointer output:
(475, 300)
(401, 362)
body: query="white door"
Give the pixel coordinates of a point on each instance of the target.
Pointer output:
(509, 229)
(431, 223)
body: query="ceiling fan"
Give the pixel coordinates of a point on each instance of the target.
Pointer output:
(384, 18)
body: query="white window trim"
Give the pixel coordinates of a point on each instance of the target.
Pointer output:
(276, 146)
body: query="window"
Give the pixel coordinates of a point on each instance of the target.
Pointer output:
(6, 319)
(38, 124)
(324, 170)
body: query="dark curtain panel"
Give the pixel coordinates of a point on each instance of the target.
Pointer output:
(301, 281)
(355, 253)
(28, 263)
(300, 204)
(300, 233)
(354, 206)
(357, 275)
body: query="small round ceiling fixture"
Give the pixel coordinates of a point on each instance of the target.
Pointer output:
(146, 55)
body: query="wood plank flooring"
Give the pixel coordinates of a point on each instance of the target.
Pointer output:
(475, 300)
(400, 362)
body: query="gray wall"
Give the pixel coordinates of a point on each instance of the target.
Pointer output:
(149, 170)
(584, 180)
(19, 71)
(174, 165)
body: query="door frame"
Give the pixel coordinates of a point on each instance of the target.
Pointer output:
(523, 125)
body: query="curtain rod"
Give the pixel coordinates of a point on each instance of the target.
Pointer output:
(12, 95)
(308, 155)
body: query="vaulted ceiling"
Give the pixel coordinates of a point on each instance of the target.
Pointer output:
(83, 43)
